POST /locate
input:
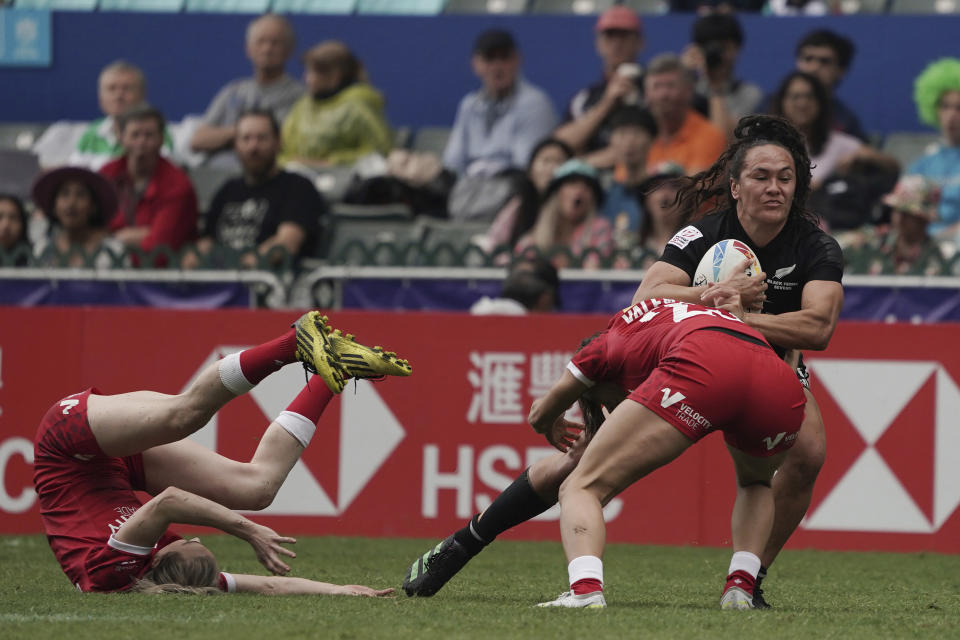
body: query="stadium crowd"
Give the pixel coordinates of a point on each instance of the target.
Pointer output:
(260, 179)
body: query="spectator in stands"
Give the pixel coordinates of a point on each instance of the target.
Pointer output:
(76, 203)
(802, 99)
(663, 216)
(905, 246)
(712, 56)
(619, 40)
(532, 286)
(632, 131)
(341, 118)
(265, 208)
(498, 125)
(684, 136)
(14, 245)
(269, 43)
(157, 204)
(937, 95)
(570, 225)
(519, 213)
(121, 86)
(827, 55)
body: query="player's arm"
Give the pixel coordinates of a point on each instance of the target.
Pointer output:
(546, 412)
(809, 328)
(281, 585)
(663, 280)
(176, 506)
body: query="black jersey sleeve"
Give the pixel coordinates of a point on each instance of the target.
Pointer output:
(825, 258)
(686, 248)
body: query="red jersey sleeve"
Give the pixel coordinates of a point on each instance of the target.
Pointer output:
(589, 365)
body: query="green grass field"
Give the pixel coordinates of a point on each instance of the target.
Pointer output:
(652, 592)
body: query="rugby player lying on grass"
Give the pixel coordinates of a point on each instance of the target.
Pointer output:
(93, 451)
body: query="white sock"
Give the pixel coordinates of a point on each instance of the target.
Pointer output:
(300, 427)
(745, 561)
(231, 375)
(585, 567)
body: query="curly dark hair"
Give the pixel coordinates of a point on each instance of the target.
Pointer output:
(711, 188)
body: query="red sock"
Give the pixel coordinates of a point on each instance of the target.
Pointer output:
(311, 402)
(260, 361)
(742, 580)
(586, 585)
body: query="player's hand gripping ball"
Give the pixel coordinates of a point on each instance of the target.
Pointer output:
(722, 260)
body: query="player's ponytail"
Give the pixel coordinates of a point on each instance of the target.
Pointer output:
(175, 574)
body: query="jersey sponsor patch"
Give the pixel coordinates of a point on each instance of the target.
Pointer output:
(685, 236)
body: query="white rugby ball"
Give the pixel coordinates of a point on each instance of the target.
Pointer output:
(720, 261)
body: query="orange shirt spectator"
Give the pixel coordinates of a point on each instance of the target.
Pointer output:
(695, 146)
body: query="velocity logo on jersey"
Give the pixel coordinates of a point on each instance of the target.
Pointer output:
(670, 399)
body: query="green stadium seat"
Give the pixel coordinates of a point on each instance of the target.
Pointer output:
(228, 6)
(207, 181)
(907, 146)
(57, 5)
(402, 7)
(649, 7)
(925, 7)
(432, 139)
(20, 135)
(314, 6)
(486, 6)
(863, 6)
(579, 7)
(164, 6)
(372, 235)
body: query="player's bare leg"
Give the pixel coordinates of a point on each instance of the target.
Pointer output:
(633, 442)
(793, 486)
(240, 485)
(750, 525)
(530, 494)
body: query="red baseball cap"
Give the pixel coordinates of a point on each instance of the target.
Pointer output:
(619, 18)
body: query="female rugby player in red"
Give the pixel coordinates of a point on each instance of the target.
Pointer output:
(692, 370)
(93, 451)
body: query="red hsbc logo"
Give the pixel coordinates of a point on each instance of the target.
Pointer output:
(901, 441)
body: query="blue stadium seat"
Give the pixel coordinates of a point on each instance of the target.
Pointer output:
(571, 6)
(402, 7)
(649, 7)
(925, 7)
(486, 6)
(314, 6)
(170, 6)
(228, 6)
(57, 5)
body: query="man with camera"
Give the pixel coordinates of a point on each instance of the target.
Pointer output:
(712, 56)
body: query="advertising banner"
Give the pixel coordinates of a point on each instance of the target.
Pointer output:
(416, 457)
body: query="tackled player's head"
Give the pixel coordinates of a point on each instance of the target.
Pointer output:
(184, 566)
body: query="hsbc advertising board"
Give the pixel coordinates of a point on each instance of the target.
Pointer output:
(414, 457)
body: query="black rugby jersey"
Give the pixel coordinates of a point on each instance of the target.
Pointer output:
(800, 253)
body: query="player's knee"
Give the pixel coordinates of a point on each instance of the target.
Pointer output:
(804, 463)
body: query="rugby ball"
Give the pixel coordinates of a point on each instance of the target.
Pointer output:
(720, 261)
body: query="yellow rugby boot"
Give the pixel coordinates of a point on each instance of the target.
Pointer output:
(359, 361)
(315, 351)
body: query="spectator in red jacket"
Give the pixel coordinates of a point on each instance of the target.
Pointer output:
(157, 204)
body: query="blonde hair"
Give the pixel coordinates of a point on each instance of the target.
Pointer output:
(175, 574)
